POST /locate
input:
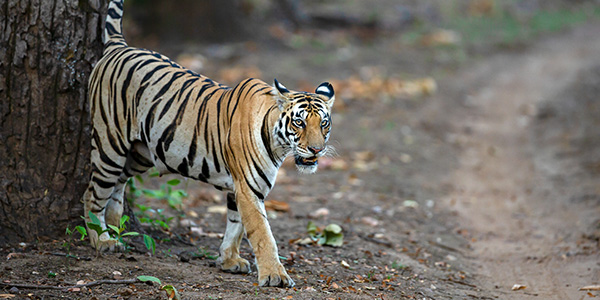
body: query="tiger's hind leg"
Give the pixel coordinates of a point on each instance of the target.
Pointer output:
(138, 162)
(229, 253)
(104, 196)
(105, 176)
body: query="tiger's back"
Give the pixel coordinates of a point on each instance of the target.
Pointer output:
(154, 98)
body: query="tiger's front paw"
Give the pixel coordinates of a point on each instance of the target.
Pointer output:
(234, 265)
(274, 276)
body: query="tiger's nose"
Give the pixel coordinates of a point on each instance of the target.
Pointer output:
(315, 150)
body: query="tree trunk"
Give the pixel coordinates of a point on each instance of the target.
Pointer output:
(48, 48)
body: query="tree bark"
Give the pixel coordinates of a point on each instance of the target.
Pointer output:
(48, 48)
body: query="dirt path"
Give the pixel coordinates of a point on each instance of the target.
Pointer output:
(524, 228)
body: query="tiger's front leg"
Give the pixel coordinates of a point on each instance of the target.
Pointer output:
(254, 219)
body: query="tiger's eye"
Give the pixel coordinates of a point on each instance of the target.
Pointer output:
(298, 123)
(324, 123)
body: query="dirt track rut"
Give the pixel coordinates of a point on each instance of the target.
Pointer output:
(521, 225)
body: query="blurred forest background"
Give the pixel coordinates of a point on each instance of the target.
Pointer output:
(338, 38)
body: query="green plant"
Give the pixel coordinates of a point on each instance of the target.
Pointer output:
(171, 291)
(331, 235)
(398, 266)
(119, 231)
(167, 253)
(150, 243)
(155, 217)
(174, 198)
(203, 253)
(69, 232)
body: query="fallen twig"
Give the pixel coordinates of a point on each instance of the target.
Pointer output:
(52, 287)
(69, 256)
(460, 282)
(376, 241)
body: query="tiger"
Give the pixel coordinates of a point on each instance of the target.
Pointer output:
(148, 111)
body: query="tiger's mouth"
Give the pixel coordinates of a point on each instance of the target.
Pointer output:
(303, 161)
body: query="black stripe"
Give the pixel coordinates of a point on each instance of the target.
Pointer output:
(237, 100)
(111, 30)
(101, 183)
(113, 143)
(141, 160)
(265, 135)
(261, 173)
(268, 87)
(183, 168)
(231, 204)
(103, 171)
(114, 14)
(166, 87)
(150, 119)
(192, 150)
(103, 157)
(257, 193)
(216, 159)
(205, 169)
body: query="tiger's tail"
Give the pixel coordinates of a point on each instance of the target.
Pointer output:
(113, 27)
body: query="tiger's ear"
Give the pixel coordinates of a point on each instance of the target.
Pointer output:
(326, 89)
(281, 94)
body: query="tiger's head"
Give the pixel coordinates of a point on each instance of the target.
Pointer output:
(305, 123)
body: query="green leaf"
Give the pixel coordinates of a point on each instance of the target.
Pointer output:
(174, 182)
(97, 228)
(51, 274)
(172, 293)
(333, 228)
(144, 278)
(150, 243)
(311, 228)
(124, 219)
(68, 231)
(154, 173)
(156, 194)
(321, 240)
(94, 219)
(114, 228)
(139, 178)
(143, 208)
(131, 233)
(82, 231)
(333, 235)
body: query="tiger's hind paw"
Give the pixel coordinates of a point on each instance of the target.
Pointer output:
(106, 244)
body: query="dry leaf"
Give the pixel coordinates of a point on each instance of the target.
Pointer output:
(590, 288)
(321, 212)
(441, 37)
(13, 255)
(517, 287)
(7, 296)
(345, 264)
(369, 221)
